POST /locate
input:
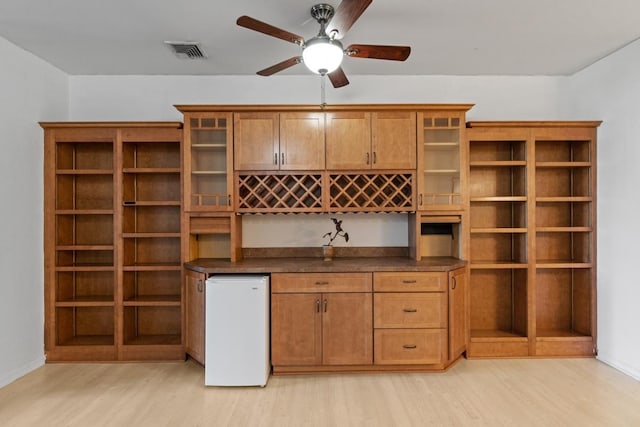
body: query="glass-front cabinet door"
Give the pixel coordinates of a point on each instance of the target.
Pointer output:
(439, 160)
(208, 161)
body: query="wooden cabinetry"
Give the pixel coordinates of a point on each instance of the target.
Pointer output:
(371, 140)
(194, 315)
(458, 313)
(279, 141)
(208, 161)
(532, 238)
(440, 158)
(498, 179)
(112, 241)
(410, 318)
(208, 221)
(321, 319)
(151, 241)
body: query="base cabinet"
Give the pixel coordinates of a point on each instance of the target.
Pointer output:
(368, 321)
(410, 346)
(419, 317)
(194, 316)
(458, 309)
(329, 328)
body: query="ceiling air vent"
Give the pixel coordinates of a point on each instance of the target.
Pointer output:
(187, 50)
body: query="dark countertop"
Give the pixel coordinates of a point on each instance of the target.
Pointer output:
(317, 265)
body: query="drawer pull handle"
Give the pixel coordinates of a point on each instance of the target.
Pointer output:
(408, 282)
(410, 347)
(410, 310)
(454, 283)
(322, 283)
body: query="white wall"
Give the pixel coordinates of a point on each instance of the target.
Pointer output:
(153, 97)
(610, 91)
(32, 90)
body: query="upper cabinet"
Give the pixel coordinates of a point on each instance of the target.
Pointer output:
(279, 141)
(371, 140)
(308, 158)
(208, 161)
(440, 176)
(393, 140)
(348, 140)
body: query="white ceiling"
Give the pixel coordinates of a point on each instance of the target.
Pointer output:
(448, 37)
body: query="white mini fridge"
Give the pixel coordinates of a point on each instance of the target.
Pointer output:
(237, 330)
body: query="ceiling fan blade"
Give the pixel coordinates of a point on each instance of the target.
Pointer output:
(270, 30)
(392, 53)
(280, 66)
(346, 15)
(338, 78)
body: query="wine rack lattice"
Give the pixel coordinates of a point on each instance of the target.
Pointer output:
(280, 193)
(374, 192)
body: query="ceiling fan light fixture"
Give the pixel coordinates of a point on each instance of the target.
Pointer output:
(322, 55)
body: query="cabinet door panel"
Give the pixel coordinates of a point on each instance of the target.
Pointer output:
(393, 140)
(410, 346)
(255, 141)
(320, 282)
(194, 315)
(347, 337)
(296, 329)
(457, 313)
(410, 310)
(348, 140)
(409, 282)
(301, 141)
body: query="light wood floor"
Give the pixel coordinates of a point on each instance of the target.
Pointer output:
(554, 392)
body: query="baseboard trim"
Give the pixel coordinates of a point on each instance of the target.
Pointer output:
(633, 373)
(11, 376)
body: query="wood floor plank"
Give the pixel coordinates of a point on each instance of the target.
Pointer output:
(523, 392)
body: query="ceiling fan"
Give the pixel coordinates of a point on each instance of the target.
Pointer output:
(323, 53)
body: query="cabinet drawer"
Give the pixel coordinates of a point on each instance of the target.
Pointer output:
(209, 225)
(409, 346)
(320, 282)
(410, 310)
(410, 282)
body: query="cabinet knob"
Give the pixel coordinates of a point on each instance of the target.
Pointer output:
(410, 347)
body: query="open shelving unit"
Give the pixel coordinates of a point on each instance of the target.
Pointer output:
(151, 244)
(565, 242)
(499, 242)
(532, 237)
(113, 206)
(81, 188)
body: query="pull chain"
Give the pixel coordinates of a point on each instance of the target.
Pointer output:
(323, 100)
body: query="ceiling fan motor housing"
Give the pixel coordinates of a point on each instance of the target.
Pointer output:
(322, 12)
